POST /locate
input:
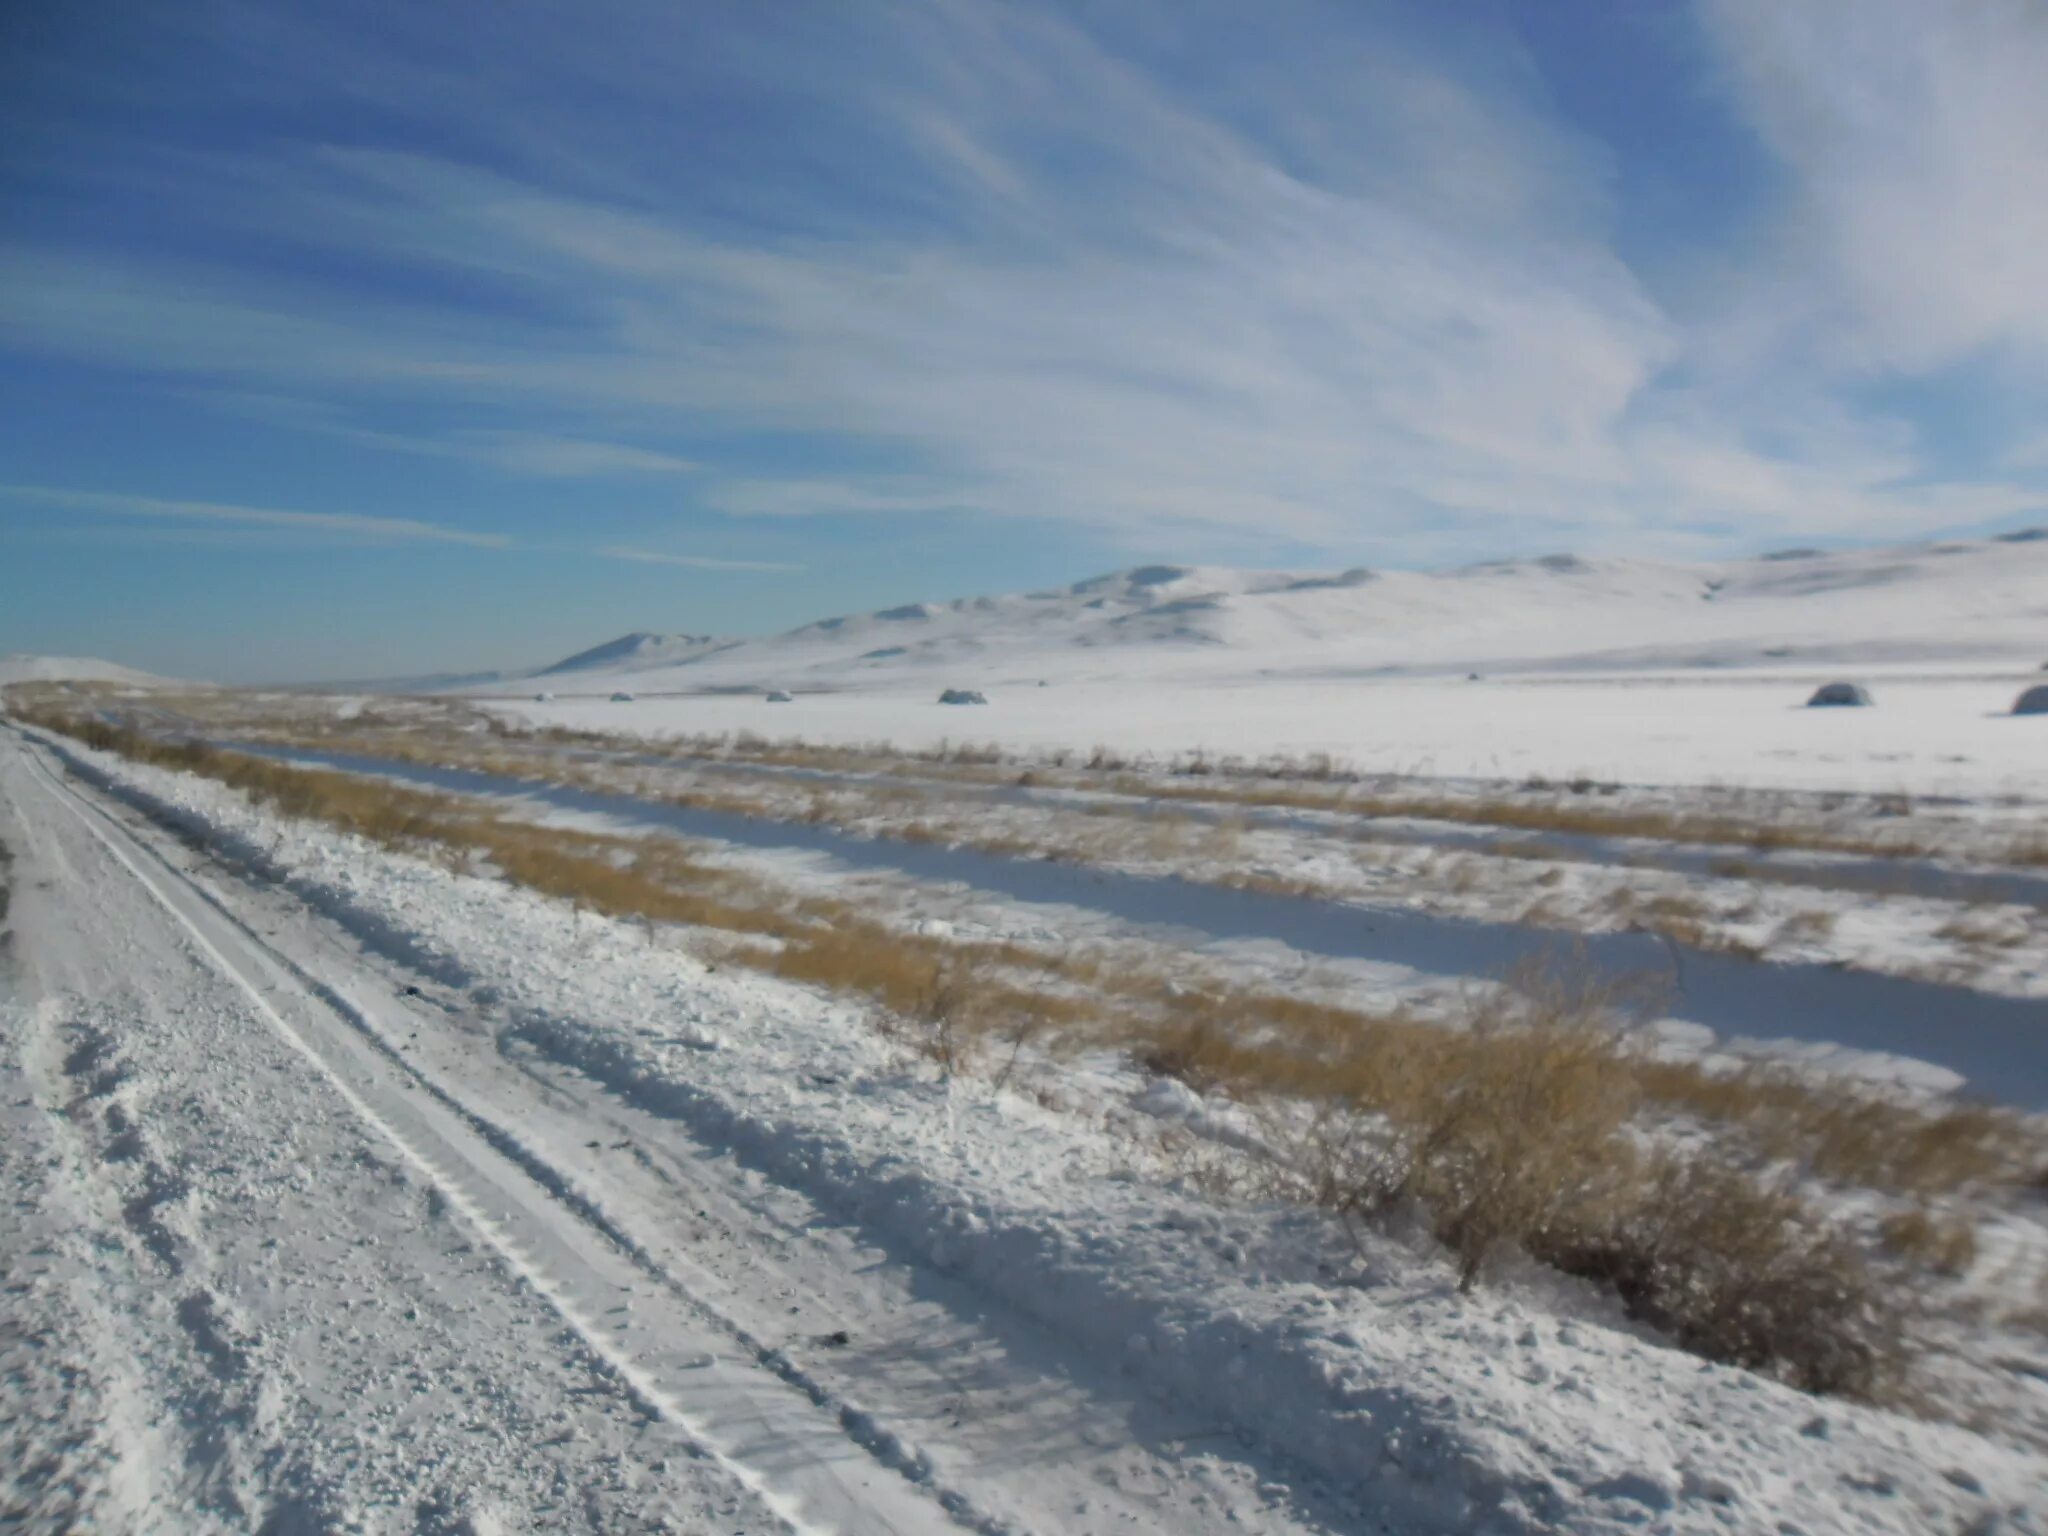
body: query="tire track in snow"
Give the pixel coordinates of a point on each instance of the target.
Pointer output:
(806, 1491)
(82, 1438)
(1129, 1448)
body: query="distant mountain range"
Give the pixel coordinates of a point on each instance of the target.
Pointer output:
(1957, 601)
(637, 652)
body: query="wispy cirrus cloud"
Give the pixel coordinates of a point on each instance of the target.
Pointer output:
(1917, 140)
(692, 562)
(350, 527)
(568, 457)
(1083, 284)
(222, 523)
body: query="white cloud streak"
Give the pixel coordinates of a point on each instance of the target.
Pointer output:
(221, 522)
(351, 527)
(692, 562)
(1918, 139)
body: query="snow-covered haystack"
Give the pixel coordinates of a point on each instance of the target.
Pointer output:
(1839, 695)
(962, 696)
(2033, 702)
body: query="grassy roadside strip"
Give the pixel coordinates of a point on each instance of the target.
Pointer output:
(1527, 1124)
(1888, 826)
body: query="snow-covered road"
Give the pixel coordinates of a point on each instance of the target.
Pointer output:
(300, 1251)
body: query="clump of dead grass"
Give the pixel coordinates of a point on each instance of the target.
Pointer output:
(1742, 1270)
(1510, 1140)
(1856, 1136)
(1516, 1140)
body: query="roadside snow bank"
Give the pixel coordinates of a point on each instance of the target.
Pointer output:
(1528, 1408)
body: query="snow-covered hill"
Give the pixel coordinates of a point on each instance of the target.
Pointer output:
(637, 652)
(1976, 601)
(21, 667)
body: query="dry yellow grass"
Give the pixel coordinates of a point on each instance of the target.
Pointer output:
(1982, 927)
(1946, 1244)
(1321, 783)
(1517, 1138)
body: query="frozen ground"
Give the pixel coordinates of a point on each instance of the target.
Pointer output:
(348, 1192)
(1941, 732)
(357, 1195)
(1626, 670)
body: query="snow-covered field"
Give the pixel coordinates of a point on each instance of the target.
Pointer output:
(1623, 670)
(360, 1195)
(1930, 732)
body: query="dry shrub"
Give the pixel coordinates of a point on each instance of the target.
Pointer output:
(1508, 1134)
(1254, 1043)
(1681, 918)
(1160, 838)
(1224, 841)
(948, 1012)
(1861, 1138)
(1526, 1144)
(1514, 1137)
(1743, 1272)
(1456, 873)
(1888, 826)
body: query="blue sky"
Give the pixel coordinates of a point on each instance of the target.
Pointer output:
(366, 338)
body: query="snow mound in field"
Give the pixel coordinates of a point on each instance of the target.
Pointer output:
(1984, 600)
(21, 667)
